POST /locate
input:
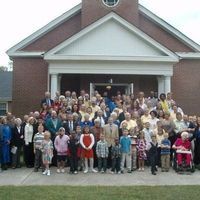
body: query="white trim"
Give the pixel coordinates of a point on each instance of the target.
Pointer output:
(167, 27)
(77, 9)
(27, 54)
(52, 54)
(111, 67)
(110, 58)
(50, 26)
(104, 3)
(188, 55)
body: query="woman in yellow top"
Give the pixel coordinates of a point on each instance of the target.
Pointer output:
(164, 103)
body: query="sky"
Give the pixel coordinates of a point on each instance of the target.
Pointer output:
(19, 19)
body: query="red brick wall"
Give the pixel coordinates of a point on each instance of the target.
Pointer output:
(93, 10)
(57, 35)
(161, 36)
(186, 85)
(29, 84)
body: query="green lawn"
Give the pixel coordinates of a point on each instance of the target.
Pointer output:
(96, 193)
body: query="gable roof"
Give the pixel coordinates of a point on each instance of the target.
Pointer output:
(169, 28)
(6, 86)
(15, 50)
(95, 34)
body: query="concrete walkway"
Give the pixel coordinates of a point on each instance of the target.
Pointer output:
(24, 176)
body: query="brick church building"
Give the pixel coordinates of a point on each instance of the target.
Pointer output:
(119, 42)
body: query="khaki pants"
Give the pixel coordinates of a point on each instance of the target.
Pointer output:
(165, 161)
(134, 158)
(126, 157)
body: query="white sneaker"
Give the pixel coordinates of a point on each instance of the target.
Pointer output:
(94, 171)
(75, 172)
(45, 172)
(48, 173)
(85, 171)
(142, 169)
(63, 170)
(58, 171)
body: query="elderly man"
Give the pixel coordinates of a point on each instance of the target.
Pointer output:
(47, 99)
(111, 132)
(70, 124)
(53, 124)
(101, 118)
(130, 123)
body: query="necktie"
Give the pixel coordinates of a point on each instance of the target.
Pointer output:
(110, 128)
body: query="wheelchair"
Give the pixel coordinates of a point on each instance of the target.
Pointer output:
(184, 169)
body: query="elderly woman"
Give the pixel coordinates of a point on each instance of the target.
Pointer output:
(182, 146)
(17, 143)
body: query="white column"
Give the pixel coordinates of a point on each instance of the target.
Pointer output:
(54, 85)
(161, 85)
(167, 80)
(59, 82)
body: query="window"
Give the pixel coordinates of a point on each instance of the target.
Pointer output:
(111, 3)
(3, 109)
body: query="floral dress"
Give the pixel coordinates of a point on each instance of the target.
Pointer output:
(47, 151)
(141, 148)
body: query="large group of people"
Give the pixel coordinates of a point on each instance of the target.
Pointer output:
(120, 133)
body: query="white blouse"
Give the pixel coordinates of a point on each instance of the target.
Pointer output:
(28, 134)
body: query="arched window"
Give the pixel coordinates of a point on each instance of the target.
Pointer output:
(110, 3)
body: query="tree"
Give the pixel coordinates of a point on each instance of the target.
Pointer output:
(3, 68)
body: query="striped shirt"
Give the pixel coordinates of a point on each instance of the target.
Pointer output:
(38, 138)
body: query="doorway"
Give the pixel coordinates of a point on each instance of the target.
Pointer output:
(111, 89)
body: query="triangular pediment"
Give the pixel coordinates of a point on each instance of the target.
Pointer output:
(110, 36)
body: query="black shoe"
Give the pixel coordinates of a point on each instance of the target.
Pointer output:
(153, 173)
(180, 168)
(4, 167)
(129, 171)
(188, 168)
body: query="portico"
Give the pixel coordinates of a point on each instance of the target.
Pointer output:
(128, 52)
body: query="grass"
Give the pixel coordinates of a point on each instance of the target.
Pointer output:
(99, 193)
